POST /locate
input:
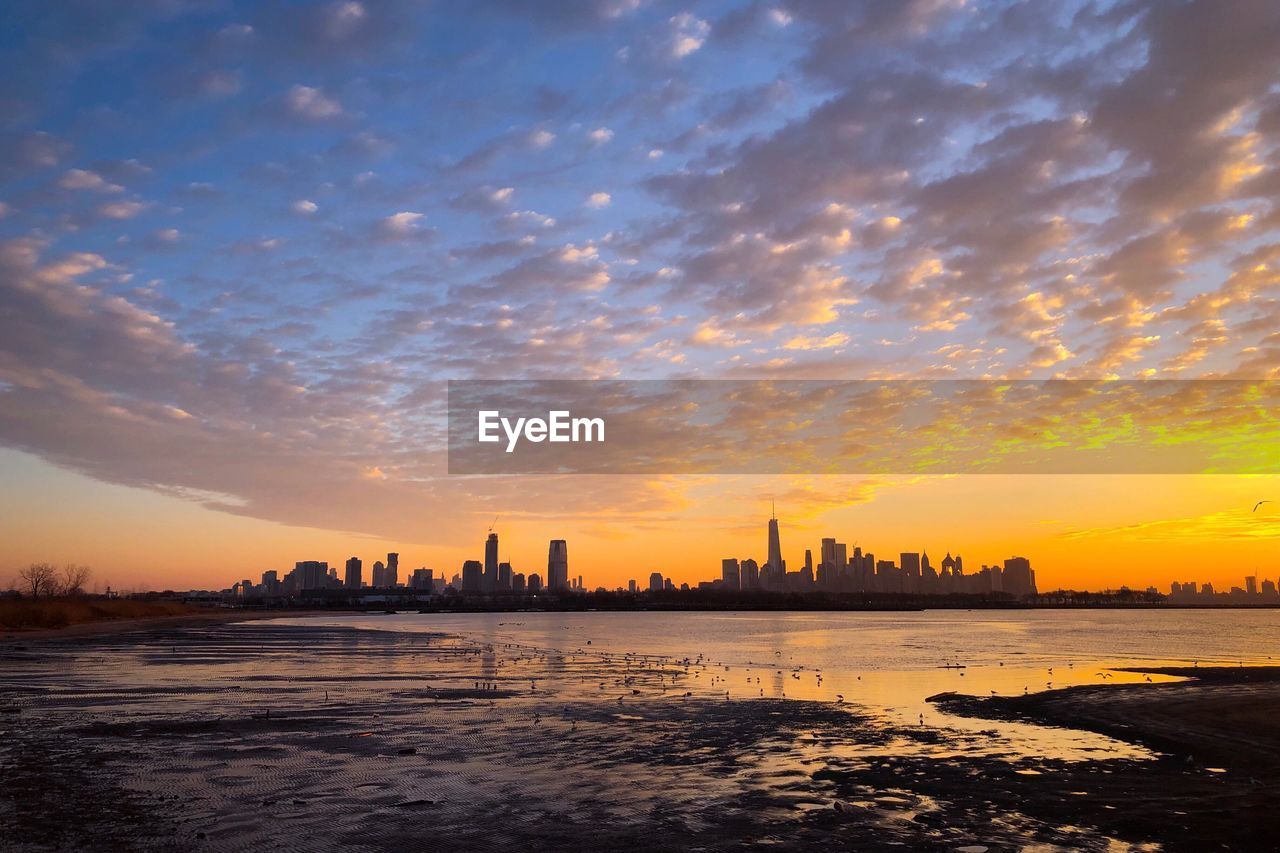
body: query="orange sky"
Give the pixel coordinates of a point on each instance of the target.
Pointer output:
(1079, 531)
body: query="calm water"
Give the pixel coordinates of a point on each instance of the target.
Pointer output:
(887, 662)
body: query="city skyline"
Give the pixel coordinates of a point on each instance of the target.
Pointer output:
(839, 568)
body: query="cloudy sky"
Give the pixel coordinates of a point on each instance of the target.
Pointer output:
(243, 245)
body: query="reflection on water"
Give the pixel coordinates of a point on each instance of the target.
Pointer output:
(604, 730)
(886, 662)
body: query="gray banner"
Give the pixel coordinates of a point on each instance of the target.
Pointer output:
(864, 426)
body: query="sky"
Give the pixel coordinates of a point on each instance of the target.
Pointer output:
(243, 246)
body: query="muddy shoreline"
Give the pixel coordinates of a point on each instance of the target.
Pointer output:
(213, 736)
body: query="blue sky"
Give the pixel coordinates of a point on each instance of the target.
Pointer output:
(237, 238)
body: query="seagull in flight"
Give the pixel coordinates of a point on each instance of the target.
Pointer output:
(1258, 504)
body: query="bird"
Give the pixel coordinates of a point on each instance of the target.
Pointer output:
(1258, 504)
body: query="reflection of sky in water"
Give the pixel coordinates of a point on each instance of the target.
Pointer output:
(885, 662)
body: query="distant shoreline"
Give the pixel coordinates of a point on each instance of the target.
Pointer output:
(107, 627)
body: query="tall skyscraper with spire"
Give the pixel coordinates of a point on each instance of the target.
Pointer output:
(777, 568)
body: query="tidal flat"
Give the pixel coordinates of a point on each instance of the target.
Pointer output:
(275, 736)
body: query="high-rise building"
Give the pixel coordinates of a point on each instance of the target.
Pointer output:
(504, 577)
(632, 586)
(271, 582)
(535, 583)
(558, 566)
(379, 575)
(472, 576)
(517, 582)
(1251, 584)
(776, 564)
(749, 572)
(655, 582)
(354, 571)
(422, 579)
(1018, 578)
(729, 574)
(491, 563)
(314, 574)
(393, 569)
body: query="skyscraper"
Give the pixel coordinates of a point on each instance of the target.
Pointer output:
(655, 582)
(393, 569)
(491, 563)
(775, 569)
(472, 576)
(558, 566)
(729, 574)
(354, 579)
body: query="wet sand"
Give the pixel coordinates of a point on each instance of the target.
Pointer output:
(261, 736)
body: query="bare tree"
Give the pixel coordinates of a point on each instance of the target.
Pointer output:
(39, 579)
(74, 578)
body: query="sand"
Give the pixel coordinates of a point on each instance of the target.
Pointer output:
(217, 736)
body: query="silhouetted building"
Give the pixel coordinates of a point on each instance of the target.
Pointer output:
(558, 566)
(535, 583)
(491, 563)
(729, 574)
(393, 569)
(473, 576)
(354, 579)
(1017, 578)
(749, 572)
(655, 582)
(504, 577)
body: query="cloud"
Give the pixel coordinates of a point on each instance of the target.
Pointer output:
(304, 207)
(312, 104)
(686, 34)
(600, 136)
(598, 200)
(83, 179)
(121, 209)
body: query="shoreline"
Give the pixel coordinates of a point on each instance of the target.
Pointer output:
(1224, 717)
(112, 627)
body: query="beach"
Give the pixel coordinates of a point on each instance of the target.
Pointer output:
(302, 736)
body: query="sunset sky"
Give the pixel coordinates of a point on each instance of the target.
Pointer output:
(243, 245)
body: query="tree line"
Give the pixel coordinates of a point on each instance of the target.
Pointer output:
(44, 580)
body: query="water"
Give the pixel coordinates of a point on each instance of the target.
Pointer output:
(888, 662)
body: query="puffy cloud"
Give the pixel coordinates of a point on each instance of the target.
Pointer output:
(83, 179)
(307, 102)
(687, 33)
(597, 200)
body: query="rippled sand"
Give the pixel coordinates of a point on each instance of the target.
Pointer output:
(262, 736)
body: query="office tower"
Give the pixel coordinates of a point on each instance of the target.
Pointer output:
(729, 574)
(749, 573)
(580, 583)
(422, 579)
(655, 582)
(557, 566)
(491, 563)
(1018, 578)
(313, 574)
(535, 583)
(517, 582)
(354, 571)
(472, 576)
(379, 574)
(777, 566)
(1251, 585)
(393, 569)
(826, 553)
(271, 582)
(632, 586)
(504, 577)
(841, 564)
